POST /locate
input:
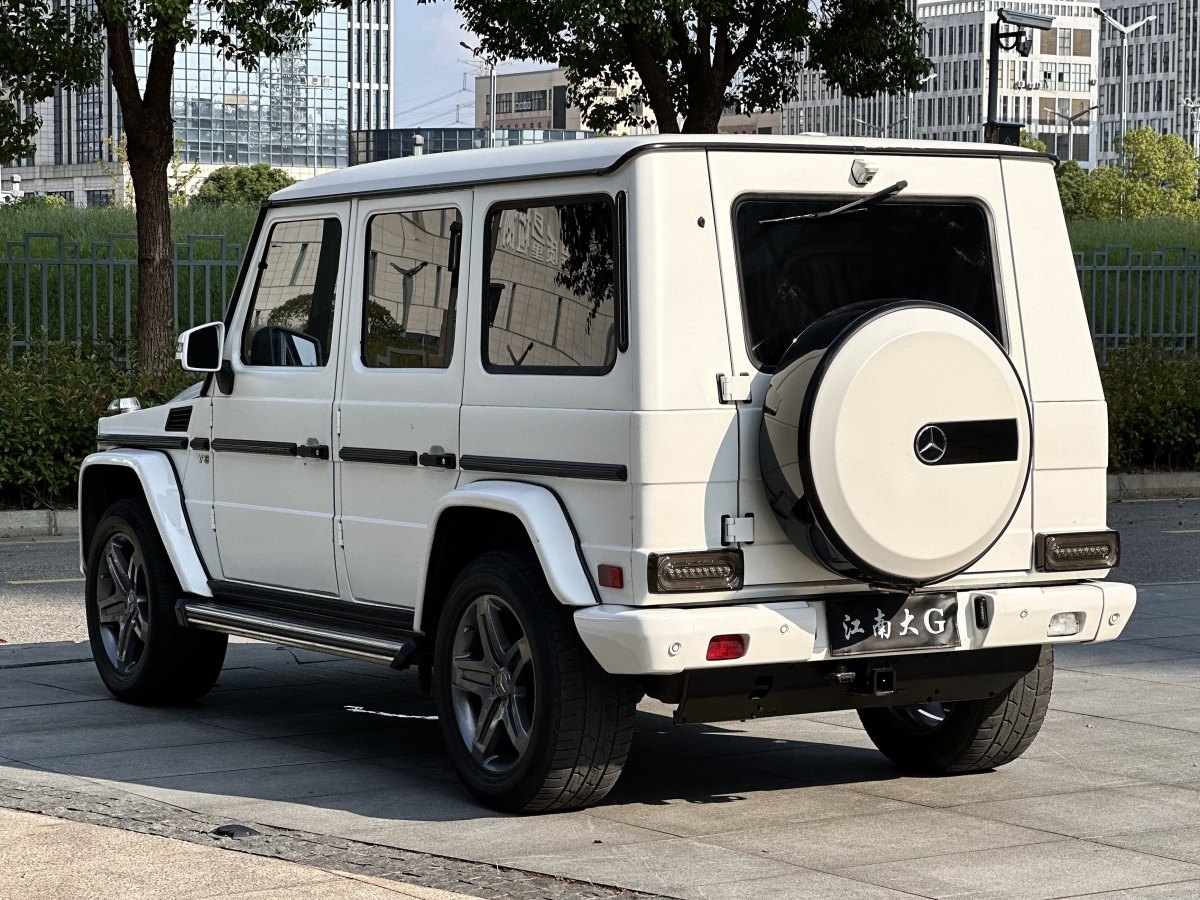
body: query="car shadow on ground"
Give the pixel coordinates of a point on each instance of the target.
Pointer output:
(302, 728)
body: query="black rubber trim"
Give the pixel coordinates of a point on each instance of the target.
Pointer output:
(375, 455)
(178, 418)
(377, 619)
(268, 448)
(994, 151)
(550, 467)
(143, 441)
(186, 518)
(200, 443)
(867, 572)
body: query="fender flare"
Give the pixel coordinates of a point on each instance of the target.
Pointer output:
(160, 486)
(545, 520)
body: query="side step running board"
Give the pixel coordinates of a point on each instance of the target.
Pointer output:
(215, 616)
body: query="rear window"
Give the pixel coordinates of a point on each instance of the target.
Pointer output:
(795, 270)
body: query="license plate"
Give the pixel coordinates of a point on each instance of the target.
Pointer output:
(892, 622)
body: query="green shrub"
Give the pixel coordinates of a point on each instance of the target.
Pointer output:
(243, 184)
(51, 397)
(1153, 408)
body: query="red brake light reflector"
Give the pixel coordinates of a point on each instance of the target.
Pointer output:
(611, 576)
(726, 646)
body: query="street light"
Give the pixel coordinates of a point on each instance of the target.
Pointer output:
(1019, 39)
(1193, 104)
(882, 131)
(491, 61)
(1125, 31)
(1070, 120)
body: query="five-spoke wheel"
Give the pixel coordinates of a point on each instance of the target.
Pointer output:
(142, 652)
(530, 721)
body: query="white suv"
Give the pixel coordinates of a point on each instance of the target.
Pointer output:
(752, 426)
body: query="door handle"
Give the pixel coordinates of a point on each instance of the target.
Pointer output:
(310, 449)
(438, 458)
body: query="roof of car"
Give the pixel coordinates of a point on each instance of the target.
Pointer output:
(592, 156)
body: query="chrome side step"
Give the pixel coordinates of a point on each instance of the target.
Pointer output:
(215, 616)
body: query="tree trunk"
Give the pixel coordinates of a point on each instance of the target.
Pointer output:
(155, 338)
(704, 117)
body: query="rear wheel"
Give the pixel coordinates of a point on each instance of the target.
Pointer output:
(968, 735)
(142, 652)
(531, 721)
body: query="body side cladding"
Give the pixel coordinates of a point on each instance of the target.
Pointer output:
(551, 533)
(160, 486)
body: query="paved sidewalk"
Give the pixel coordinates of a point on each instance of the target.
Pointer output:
(53, 859)
(1106, 803)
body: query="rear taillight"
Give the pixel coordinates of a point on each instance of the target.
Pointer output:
(1078, 550)
(711, 570)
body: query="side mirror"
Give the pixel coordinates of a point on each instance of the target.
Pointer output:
(199, 349)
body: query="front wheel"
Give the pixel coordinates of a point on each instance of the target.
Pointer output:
(142, 652)
(530, 720)
(968, 735)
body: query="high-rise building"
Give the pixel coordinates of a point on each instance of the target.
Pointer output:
(1058, 76)
(295, 111)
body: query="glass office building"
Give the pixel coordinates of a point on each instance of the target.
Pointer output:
(396, 143)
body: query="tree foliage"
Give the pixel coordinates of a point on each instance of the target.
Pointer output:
(248, 185)
(1159, 182)
(686, 60)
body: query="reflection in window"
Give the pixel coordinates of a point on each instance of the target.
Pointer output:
(550, 288)
(290, 320)
(411, 289)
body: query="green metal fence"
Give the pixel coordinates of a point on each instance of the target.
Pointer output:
(55, 290)
(1132, 294)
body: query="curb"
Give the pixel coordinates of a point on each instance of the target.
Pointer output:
(38, 523)
(1154, 486)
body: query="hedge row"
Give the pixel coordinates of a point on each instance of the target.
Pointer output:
(51, 397)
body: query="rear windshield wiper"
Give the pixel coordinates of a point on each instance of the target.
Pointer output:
(858, 205)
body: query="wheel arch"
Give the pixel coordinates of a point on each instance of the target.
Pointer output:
(148, 475)
(496, 515)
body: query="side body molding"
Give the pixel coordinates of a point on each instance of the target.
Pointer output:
(545, 521)
(161, 488)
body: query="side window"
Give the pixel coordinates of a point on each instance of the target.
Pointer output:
(550, 288)
(411, 289)
(290, 320)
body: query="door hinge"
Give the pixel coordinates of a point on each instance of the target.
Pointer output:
(212, 517)
(737, 529)
(341, 535)
(337, 421)
(734, 388)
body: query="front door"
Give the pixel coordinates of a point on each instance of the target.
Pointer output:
(402, 380)
(272, 432)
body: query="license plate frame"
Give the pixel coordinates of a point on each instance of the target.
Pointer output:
(889, 623)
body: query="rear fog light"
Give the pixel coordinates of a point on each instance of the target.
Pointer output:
(726, 646)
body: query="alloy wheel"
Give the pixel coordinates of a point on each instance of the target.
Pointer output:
(123, 603)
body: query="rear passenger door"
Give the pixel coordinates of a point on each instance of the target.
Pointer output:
(398, 406)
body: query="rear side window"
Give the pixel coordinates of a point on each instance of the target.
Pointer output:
(411, 289)
(290, 320)
(550, 287)
(794, 269)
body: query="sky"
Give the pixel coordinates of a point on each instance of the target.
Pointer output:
(434, 76)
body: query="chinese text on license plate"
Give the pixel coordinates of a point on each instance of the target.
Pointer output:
(892, 622)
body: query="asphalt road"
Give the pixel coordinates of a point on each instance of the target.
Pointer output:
(41, 590)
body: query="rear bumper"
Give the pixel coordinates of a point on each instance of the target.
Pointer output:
(629, 640)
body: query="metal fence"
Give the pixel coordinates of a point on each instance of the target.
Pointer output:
(53, 290)
(1132, 294)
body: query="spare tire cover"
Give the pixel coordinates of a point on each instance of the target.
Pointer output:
(895, 442)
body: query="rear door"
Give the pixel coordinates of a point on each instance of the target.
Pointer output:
(402, 382)
(774, 288)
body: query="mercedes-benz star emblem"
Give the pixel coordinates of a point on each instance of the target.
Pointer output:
(930, 444)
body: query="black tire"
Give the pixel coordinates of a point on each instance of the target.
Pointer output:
(561, 726)
(142, 652)
(972, 735)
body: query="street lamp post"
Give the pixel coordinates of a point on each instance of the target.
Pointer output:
(1125, 31)
(491, 62)
(882, 131)
(1070, 120)
(912, 105)
(1193, 104)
